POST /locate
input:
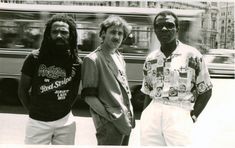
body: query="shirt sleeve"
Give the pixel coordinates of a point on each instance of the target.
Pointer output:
(147, 83)
(89, 74)
(203, 81)
(89, 78)
(29, 65)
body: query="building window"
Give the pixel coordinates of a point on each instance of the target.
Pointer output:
(117, 4)
(213, 24)
(151, 4)
(222, 29)
(202, 23)
(214, 4)
(229, 28)
(133, 4)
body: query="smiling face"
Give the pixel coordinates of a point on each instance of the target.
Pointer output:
(165, 29)
(113, 37)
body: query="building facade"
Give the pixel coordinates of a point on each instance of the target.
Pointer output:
(226, 23)
(217, 21)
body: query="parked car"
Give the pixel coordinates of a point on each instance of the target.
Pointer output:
(222, 51)
(220, 65)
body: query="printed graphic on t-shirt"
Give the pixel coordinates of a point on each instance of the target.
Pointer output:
(54, 84)
(61, 94)
(51, 72)
(53, 79)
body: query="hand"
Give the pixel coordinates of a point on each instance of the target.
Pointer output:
(194, 118)
(123, 124)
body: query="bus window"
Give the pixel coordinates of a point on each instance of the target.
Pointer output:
(139, 39)
(20, 30)
(136, 42)
(88, 41)
(19, 35)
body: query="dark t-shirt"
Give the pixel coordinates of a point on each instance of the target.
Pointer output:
(53, 90)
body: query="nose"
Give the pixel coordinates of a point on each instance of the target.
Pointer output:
(58, 35)
(116, 35)
(164, 28)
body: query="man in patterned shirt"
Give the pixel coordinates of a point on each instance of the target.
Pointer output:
(177, 87)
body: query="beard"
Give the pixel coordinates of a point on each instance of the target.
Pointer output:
(60, 47)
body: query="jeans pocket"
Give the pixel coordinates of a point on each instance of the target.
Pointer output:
(101, 130)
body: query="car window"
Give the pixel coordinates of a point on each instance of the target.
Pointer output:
(223, 60)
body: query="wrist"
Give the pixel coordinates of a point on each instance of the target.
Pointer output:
(194, 118)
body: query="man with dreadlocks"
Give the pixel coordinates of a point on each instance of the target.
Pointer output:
(52, 74)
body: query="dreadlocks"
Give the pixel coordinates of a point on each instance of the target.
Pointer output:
(46, 45)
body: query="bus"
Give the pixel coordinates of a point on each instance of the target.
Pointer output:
(22, 27)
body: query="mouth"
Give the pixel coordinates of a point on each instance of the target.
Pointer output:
(164, 38)
(60, 43)
(116, 42)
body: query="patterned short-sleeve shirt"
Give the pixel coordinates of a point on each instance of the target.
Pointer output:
(180, 77)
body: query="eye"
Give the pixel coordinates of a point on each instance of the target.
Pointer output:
(120, 33)
(54, 32)
(170, 25)
(159, 26)
(167, 25)
(113, 32)
(64, 32)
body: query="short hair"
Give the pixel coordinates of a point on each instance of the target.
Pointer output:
(72, 31)
(165, 13)
(114, 20)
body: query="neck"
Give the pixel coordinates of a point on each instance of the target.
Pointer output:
(168, 48)
(107, 49)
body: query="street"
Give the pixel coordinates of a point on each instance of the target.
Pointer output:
(214, 127)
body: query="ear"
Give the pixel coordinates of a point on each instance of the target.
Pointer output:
(177, 29)
(102, 35)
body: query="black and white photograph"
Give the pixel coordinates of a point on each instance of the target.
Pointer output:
(80, 73)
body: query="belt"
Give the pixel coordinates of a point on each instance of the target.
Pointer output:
(183, 104)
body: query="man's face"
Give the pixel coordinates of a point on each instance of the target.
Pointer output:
(60, 36)
(113, 37)
(165, 29)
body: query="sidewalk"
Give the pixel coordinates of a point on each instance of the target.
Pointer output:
(12, 129)
(215, 126)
